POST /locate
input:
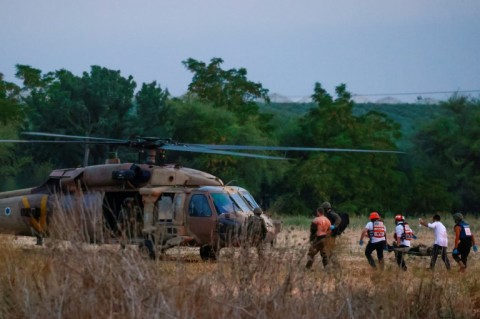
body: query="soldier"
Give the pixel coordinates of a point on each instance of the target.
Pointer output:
(441, 241)
(376, 231)
(256, 231)
(319, 229)
(335, 221)
(464, 240)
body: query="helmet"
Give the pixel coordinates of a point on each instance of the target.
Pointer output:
(457, 217)
(399, 218)
(374, 215)
(257, 211)
(326, 205)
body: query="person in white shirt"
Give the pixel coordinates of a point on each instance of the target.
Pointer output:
(441, 241)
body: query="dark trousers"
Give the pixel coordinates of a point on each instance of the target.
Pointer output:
(436, 250)
(379, 246)
(463, 250)
(399, 255)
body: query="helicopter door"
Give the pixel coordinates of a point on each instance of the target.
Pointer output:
(169, 209)
(201, 219)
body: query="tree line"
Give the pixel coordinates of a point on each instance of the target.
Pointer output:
(439, 170)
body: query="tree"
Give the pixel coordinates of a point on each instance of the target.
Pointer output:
(355, 181)
(196, 122)
(447, 152)
(229, 89)
(11, 116)
(152, 111)
(98, 103)
(10, 103)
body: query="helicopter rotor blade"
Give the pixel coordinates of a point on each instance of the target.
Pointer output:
(139, 143)
(72, 136)
(288, 148)
(62, 142)
(195, 149)
(155, 143)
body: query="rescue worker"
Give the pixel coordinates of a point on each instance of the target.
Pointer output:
(256, 231)
(376, 231)
(335, 221)
(403, 235)
(319, 230)
(464, 240)
(441, 241)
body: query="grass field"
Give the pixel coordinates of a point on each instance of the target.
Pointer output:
(74, 280)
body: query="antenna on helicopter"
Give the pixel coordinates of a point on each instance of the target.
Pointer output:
(233, 180)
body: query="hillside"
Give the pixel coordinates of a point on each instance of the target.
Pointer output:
(409, 116)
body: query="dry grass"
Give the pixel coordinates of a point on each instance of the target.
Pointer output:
(75, 280)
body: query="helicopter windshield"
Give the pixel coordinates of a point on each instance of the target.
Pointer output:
(223, 203)
(249, 199)
(240, 202)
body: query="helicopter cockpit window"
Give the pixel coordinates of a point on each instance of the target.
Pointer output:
(249, 198)
(240, 202)
(199, 207)
(223, 203)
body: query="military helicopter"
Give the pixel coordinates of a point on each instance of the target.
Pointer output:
(171, 205)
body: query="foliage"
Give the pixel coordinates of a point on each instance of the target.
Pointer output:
(98, 103)
(10, 107)
(359, 180)
(11, 114)
(447, 150)
(197, 122)
(439, 171)
(151, 118)
(229, 89)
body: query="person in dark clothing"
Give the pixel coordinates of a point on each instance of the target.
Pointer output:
(464, 240)
(335, 221)
(256, 231)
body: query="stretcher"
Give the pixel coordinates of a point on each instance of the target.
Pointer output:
(418, 250)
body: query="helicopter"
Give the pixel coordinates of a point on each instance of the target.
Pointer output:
(168, 205)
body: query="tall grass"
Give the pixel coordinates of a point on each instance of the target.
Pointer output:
(72, 279)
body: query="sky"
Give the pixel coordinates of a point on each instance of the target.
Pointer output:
(376, 47)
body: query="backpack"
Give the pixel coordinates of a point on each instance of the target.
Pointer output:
(343, 224)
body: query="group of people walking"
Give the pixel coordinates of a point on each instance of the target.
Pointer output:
(322, 239)
(376, 232)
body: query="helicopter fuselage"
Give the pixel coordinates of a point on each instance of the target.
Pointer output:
(179, 206)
